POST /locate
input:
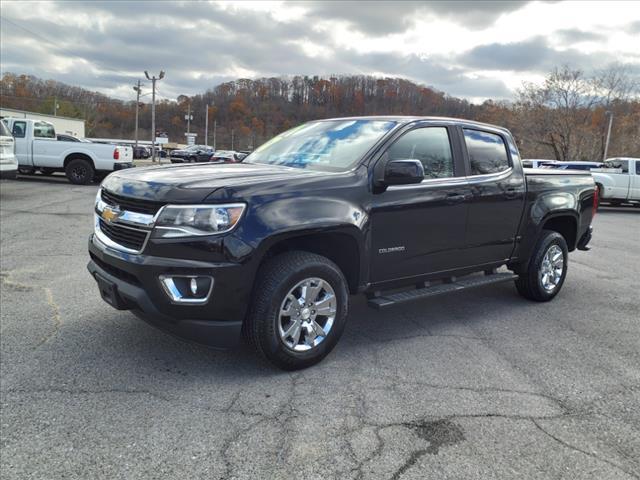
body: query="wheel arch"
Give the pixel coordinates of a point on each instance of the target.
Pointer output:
(340, 245)
(565, 223)
(78, 155)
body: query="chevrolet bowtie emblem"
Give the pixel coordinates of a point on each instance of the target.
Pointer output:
(110, 214)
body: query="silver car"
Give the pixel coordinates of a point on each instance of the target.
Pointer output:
(8, 160)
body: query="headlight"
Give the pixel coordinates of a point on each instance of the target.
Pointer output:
(195, 220)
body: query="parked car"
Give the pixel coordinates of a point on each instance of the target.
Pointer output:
(38, 149)
(141, 152)
(619, 180)
(398, 208)
(8, 160)
(573, 165)
(226, 156)
(192, 154)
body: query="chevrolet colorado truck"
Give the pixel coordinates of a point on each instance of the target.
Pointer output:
(397, 208)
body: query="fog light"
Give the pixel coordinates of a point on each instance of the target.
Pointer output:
(189, 289)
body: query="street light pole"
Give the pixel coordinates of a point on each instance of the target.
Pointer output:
(153, 111)
(137, 89)
(189, 117)
(606, 145)
(206, 125)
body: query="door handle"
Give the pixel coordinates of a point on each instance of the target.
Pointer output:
(510, 193)
(456, 197)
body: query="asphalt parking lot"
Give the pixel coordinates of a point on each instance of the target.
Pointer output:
(479, 384)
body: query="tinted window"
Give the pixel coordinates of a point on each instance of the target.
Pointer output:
(43, 130)
(615, 163)
(19, 129)
(429, 145)
(487, 152)
(637, 167)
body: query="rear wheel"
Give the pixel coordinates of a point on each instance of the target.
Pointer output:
(299, 310)
(79, 171)
(547, 268)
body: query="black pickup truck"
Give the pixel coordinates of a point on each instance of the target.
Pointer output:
(397, 208)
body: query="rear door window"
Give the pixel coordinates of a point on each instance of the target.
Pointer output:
(487, 152)
(43, 130)
(623, 165)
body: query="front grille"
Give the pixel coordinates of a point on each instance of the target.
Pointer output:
(131, 204)
(132, 238)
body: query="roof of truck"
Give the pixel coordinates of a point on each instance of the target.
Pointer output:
(414, 118)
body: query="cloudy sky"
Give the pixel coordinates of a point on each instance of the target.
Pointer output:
(472, 49)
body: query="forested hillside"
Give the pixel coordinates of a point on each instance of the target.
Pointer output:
(563, 118)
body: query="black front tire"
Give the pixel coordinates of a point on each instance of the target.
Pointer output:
(275, 279)
(529, 283)
(79, 171)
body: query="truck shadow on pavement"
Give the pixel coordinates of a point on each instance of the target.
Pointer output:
(134, 342)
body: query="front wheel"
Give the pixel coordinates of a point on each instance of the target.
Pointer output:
(299, 310)
(547, 268)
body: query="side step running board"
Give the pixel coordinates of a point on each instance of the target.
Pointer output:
(388, 300)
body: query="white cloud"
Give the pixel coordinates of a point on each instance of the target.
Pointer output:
(474, 49)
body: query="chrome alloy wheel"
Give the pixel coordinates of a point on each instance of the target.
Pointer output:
(551, 268)
(307, 314)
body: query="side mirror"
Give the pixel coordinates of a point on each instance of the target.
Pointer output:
(403, 172)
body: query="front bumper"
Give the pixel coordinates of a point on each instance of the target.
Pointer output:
(134, 280)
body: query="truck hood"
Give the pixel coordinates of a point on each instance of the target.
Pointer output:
(193, 183)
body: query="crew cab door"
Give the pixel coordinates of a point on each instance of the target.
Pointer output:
(622, 179)
(634, 191)
(45, 147)
(419, 229)
(23, 145)
(498, 188)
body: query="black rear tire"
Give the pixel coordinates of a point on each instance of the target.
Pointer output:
(274, 281)
(529, 284)
(79, 171)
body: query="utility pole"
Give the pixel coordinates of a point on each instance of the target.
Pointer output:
(153, 111)
(55, 106)
(187, 117)
(215, 124)
(232, 133)
(137, 89)
(606, 145)
(206, 125)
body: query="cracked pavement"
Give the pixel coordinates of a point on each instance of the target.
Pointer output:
(477, 384)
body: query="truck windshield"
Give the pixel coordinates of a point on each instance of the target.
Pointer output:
(333, 145)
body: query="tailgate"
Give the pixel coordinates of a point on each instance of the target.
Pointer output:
(126, 154)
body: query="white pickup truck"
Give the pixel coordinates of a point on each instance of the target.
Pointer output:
(38, 149)
(619, 180)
